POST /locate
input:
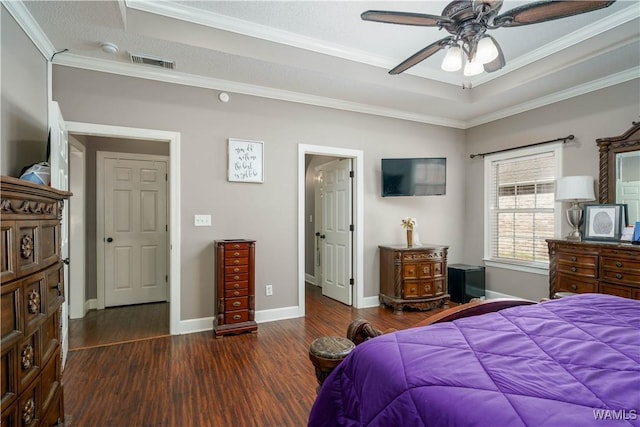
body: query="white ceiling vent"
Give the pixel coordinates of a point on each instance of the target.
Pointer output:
(150, 60)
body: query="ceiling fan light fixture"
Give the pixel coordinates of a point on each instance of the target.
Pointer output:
(487, 50)
(453, 59)
(473, 68)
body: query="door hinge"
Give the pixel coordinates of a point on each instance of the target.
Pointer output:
(351, 227)
(351, 281)
(166, 227)
(351, 174)
(166, 278)
(166, 177)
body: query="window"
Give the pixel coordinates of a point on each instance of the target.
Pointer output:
(521, 211)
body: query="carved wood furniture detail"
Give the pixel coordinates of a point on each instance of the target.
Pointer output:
(413, 277)
(235, 286)
(32, 279)
(609, 147)
(580, 267)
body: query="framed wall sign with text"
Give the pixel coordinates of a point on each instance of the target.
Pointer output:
(246, 163)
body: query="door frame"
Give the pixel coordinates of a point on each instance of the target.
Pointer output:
(358, 214)
(100, 214)
(77, 280)
(173, 139)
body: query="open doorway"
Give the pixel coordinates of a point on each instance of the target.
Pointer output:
(308, 243)
(90, 326)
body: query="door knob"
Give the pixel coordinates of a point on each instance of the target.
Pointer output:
(109, 239)
(322, 236)
(66, 261)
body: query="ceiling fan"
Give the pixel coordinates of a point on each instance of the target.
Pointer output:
(468, 21)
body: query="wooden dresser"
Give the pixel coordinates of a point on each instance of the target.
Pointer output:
(235, 285)
(32, 278)
(413, 277)
(606, 268)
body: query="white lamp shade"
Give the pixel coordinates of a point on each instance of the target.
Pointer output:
(473, 68)
(453, 59)
(487, 50)
(575, 188)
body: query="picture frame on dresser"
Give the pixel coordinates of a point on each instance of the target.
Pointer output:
(604, 222)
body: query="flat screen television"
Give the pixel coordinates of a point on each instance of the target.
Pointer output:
(414, 177)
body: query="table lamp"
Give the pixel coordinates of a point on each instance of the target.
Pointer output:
(575, 189)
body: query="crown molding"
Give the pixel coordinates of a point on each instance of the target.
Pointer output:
(172, 76)
(614, 79)
(186, 13)
(25, 20)
(603, 25)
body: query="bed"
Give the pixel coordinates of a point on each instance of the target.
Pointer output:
(574, 361)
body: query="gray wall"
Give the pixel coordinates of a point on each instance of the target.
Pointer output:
(606, 112)
(268, 212)
(24, 99)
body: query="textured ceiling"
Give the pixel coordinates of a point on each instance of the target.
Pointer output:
(322, 53)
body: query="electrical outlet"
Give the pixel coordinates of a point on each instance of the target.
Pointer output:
(202, 220)
(269, 290)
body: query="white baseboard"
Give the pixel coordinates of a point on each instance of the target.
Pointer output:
(91, 304)
(309, 278)
(368, 302)
(206, 323)
(495, 295)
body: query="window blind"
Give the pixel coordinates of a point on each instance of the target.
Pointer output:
(521, 214)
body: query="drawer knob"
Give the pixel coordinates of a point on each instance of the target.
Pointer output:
(574, 287)
(574, 258)
(574, 269)
(236, 277)
(27, 357)
(618, 276)
(618, 264)
(236, 270)
(413, 290)
(236, 246)
(28, 411)
(237, 317)
(237, 261)
(236, 294)
(33, 304)
(411, 271)
(236, 285)
(236, 254)
(237, 304)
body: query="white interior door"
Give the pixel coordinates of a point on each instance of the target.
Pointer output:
(135, 231)
(628, 183)
(336, 234)
(77, 221)
(59, 162)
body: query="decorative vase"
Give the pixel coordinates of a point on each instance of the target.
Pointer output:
(409, 238)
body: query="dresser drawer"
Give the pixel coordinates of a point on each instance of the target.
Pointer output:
(54, 278)
(230, 286)
(620, 276)
(33, 305)
(411, 289)
(236, 261)
(234, 246)
(30, 405)
(410, 271)
(236, 253)
(236, 316)
(50, 380)
(9, 381)
(432, 288)
(621, 264)
(7, 251)
(578, 285)
(620, 290)
(236, 293)
(50, 336)
(11, 322)
(236, 278)
(240, 269)
(239, 303)
(579, 269)
(578, 259)
(29, 360)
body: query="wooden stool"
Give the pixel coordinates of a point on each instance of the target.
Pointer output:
(326, 353)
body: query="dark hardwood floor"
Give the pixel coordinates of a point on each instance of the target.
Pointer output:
(117, 325)
(262, 379)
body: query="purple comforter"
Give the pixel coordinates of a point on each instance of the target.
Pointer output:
(568, 362)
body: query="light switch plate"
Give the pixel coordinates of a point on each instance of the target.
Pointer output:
(202, 220)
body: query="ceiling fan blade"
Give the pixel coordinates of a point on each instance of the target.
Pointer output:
(404, 18)
(497, 63)
(421, 55)
(547, 10)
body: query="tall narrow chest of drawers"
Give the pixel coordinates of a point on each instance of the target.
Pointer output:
(606, 268)
(32, 278)
(235, 287)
